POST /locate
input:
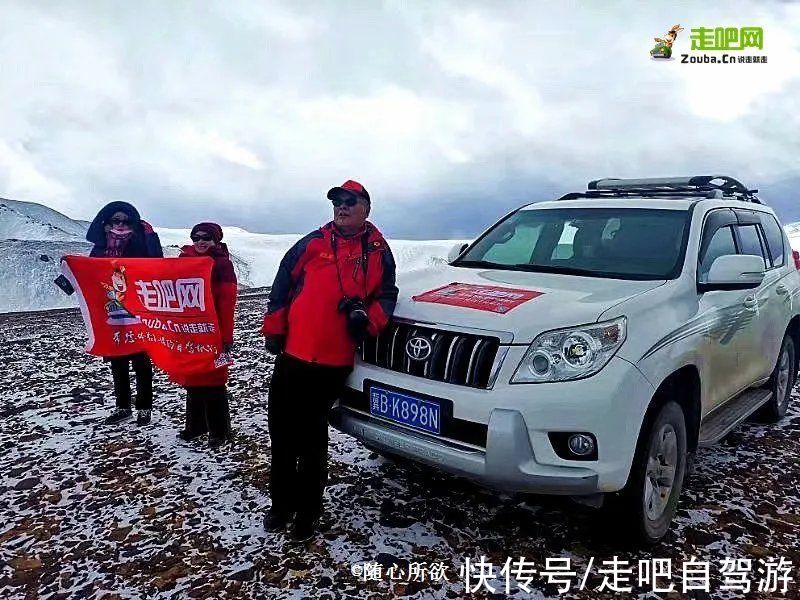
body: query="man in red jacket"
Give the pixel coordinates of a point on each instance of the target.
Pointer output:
(333, 288)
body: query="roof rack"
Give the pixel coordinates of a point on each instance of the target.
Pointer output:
(702, 186)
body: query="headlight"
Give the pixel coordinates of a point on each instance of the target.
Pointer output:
(574, 353)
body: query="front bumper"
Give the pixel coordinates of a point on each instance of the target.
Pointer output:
(502, 433)
(508, 463)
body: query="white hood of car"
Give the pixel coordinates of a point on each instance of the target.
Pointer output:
(566, 300)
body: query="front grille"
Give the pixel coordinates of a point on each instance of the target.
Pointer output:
(455, 357)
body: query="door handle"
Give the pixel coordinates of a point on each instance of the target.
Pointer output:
(781, 289)
(750, 302)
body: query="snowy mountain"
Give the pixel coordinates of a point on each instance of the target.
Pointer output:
(793, 231)
(263, 253)
(33, 238)
(28, 268)
(30, 221)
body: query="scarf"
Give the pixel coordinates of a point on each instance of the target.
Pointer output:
(116, 241)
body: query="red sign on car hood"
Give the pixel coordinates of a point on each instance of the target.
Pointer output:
(480, 297)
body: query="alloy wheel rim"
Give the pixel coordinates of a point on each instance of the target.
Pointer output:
(662, 462)
(784, 372)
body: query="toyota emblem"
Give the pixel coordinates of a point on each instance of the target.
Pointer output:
(418, 348)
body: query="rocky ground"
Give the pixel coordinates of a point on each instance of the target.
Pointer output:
(88, 510)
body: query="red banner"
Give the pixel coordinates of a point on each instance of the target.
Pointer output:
(479, 297)
(161, 306)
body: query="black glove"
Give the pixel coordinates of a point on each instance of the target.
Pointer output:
(274, 344)
(357, 323)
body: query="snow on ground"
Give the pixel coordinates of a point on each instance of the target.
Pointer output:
(88, 509)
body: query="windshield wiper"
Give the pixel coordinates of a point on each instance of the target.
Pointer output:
(584, 272)
(558, 270)
(521, 267)
(552, 269)
(481, 263)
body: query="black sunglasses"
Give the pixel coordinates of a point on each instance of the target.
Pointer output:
(201, 237)
(349, 199)
(118, 221)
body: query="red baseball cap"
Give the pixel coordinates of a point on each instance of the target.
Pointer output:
(352, 187)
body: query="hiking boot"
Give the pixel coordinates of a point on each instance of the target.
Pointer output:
(119, 414)
(215, 441)
(303, 528)
(195, 416)
(143, 416)
(275, 521)
(188, 435)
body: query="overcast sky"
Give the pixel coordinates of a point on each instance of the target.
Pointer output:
(450, 113)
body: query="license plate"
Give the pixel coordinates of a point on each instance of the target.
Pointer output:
(404, 409)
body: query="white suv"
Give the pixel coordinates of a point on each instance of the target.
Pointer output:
(589, 345)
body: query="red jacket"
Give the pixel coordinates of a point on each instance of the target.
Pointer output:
(314, 276)
(223, 288)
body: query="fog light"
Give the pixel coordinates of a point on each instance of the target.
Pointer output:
(580, 444)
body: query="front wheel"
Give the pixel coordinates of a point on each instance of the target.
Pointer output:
(648, 502)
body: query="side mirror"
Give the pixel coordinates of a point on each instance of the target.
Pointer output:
(733, 272)
(456, 251)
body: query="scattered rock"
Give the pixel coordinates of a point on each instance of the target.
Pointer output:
(758, 551)
(387, 561)
(25, 563)
(242, 574)
(199, 514)
(27, 484)
(119, 534)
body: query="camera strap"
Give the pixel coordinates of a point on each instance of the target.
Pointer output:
(364, 264)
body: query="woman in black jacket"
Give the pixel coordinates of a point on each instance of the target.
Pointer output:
(119, 231)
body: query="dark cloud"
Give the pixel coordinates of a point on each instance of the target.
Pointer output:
(450, 112)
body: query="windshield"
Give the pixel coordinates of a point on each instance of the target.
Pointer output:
(618, 243)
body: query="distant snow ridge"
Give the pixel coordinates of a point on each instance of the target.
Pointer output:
(33, 238)
(30, 221)
(28, 268)
(793, 231)
(263, 252)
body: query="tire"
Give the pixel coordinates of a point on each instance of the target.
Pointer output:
(780, 383)
(647, 504)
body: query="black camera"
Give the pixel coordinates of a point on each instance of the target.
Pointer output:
(65, 285)
(357, 319)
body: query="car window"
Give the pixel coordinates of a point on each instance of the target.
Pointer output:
(774, 235)
(750, 241)
(616, 243)
(563, 249)
(518, 241)
(721, 244)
